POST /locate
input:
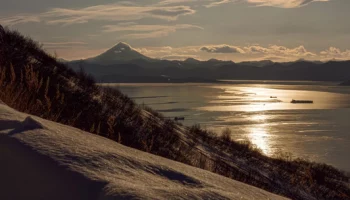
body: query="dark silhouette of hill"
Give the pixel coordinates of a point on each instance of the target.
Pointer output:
(139, 68)
(261, 63)
(346, 83)
(34, 82)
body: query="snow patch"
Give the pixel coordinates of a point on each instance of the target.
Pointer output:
(121, 46)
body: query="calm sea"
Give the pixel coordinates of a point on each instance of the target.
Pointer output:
(319, 131)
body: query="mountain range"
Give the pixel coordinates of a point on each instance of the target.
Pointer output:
(122, 63)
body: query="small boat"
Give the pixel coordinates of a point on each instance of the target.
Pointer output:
(273, 97)
(179, 118)
(302, 101)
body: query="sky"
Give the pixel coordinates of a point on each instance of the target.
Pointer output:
(238, 30)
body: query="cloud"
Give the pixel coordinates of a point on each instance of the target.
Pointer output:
(276, 50)
(272, 3)
(256, 49)
(205, 3)
(283, 3)
(222, 49)
(65, 43)
(19, 19)
(167, 52)
(295, 52)
(76, 53)
(106, 12)
(170, 53)
(139, 31)
(60, 45)
(178, 57)
(271, 51)
(170, 13)
(217, 3)
(335, 53)
(152, 34)
(332, 51)
(114, 12)
(170, 2)
(145, 28)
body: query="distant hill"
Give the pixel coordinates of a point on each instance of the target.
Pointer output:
(124, 61)
(192, 60)
(261, 63)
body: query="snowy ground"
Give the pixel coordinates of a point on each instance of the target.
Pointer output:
(40, 159)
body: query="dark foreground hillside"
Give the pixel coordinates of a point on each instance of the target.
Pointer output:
(32, 81)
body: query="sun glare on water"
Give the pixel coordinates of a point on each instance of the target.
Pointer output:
(256, 107)
(261, 138)
(259, 134)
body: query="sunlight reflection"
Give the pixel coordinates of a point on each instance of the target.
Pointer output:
(259, 135)
(256, 90)
(259, 117)
(255, 99)
(261, 138)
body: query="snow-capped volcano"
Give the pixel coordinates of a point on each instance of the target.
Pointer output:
(120, 52)
(121, 47)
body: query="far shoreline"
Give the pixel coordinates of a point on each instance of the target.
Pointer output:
(233, 82)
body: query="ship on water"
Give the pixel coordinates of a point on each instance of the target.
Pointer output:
(302, 101)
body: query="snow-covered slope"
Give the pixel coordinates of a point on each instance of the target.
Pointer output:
(40, 159)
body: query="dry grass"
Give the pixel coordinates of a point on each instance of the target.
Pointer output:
(34, 82)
